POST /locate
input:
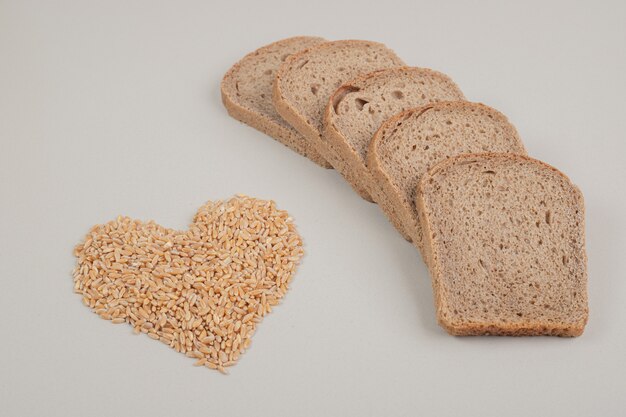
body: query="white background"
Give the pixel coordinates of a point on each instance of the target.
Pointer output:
(113, 108)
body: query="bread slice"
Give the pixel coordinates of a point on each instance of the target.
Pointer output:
(247, 93)
(357, 109)
(409, 143)
(505, 243)
(305, 81)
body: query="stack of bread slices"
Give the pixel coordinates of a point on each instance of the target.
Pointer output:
(501, 233)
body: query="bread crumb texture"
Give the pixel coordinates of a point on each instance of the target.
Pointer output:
(247, 93)
(506, 241)
(250, 81)
(308, 79)
(408, 144)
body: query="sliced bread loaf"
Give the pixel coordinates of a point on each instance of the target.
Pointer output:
(504, 241)
(305, 81)
(409, 143)
(247, 93)
(357, 109)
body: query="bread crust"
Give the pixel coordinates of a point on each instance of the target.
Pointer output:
(283, 134)
(432, 258)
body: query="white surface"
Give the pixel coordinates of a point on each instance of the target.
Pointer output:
(113, 108)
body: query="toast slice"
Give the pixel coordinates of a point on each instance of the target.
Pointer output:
(356, 110)
(247, 93)
(505, 243)
(305, 81)
(409, 143)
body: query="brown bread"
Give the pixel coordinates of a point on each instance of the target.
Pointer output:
(408, 144)
(505, 244)
(306, 80)
(247, 93)
(357, 109)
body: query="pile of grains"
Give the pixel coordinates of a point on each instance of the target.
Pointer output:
(202, 291)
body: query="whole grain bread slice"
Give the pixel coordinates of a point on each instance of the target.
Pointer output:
(356, 110)
(247, 93)
(505, 244)
(306, 80)
(409, 143)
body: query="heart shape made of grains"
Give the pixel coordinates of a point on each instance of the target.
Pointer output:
(201, 291)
